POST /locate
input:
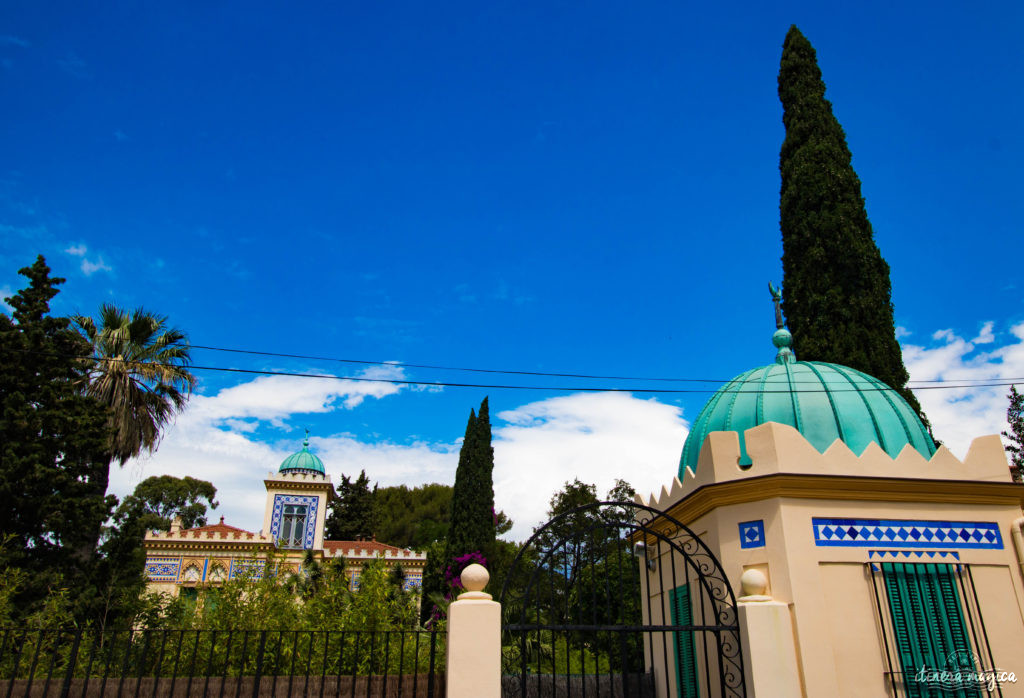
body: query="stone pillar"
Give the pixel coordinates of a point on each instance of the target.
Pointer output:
(769, 649)
(474, 640)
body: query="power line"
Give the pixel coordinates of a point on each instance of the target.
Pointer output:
(367, 362)
(492, 386)
(455, 368)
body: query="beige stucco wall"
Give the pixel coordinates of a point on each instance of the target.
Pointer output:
(828, 589)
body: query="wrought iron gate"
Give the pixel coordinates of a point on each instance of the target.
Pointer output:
(618, 599)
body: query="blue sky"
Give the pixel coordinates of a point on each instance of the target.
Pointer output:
(533, 186)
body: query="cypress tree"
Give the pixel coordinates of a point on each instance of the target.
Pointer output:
(838, 296)
(472, 520)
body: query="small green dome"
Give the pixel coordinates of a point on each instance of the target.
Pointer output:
(823, 401)
(302, 461)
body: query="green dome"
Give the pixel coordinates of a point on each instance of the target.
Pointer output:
(303, 461)
(823, 401)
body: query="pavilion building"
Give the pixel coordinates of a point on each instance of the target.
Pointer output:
(180, 561)
(819, 490)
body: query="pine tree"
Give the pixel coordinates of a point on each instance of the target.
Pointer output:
(52, 448)
(350, 516)
(838, 296)
(1015, 418)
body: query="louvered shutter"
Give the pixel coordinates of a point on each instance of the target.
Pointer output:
(686, 660)
(927, 622)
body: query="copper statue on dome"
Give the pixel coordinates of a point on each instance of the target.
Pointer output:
(777, 299)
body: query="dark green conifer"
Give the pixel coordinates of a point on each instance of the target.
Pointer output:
(350, 516)
(472, 520)
(52, 450)
(838, 297)
(1015, 436)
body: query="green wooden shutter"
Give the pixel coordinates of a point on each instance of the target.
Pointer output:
(928, 623)
(686, 658)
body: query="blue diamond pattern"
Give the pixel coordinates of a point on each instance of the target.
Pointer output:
(904, 533)
(752, 534)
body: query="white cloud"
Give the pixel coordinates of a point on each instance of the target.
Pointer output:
(89, 267)
(541, 445)
(959, 415)
(596, 437)
(214, 438)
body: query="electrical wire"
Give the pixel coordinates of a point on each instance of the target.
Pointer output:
(492, 386)
(586, 376)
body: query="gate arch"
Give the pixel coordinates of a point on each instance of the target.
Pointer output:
(619, 599)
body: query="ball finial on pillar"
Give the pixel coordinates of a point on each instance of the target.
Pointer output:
(474, 578)
(754, 584)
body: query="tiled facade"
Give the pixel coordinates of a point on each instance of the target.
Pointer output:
(213, 554)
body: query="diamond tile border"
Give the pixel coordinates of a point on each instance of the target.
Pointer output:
(163, 569)
(752, 534)
(911, 555)
(252, 568)
(275, 517)
(903, 533)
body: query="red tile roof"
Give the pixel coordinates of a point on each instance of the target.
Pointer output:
(360, 546)
(221, 528)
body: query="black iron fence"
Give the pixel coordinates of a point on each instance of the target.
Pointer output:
(618, 600)
(164, 663)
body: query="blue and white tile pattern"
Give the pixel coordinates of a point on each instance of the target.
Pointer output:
(275, 517)
(752, 534)
(906, 533)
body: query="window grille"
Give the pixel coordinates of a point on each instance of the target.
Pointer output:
(931, 623)
(293, 526)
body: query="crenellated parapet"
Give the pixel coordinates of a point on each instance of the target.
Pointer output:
(366, 555)
(784, 463)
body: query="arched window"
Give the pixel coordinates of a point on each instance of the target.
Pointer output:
(293, 526)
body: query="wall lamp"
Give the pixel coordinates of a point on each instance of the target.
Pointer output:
(640, 548)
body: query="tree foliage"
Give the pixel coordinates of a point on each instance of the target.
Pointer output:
(473, 515)
(1015, 436)
(120, 570)
(139, 369)
(412, 517)
(159, 499)
(351, 515)
(52, 451)
(265, 601)
(838, 296)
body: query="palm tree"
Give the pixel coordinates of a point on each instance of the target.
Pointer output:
(140, 372)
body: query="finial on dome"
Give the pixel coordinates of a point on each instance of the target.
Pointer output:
(777, 300)
(782, 338)
(305, 441)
